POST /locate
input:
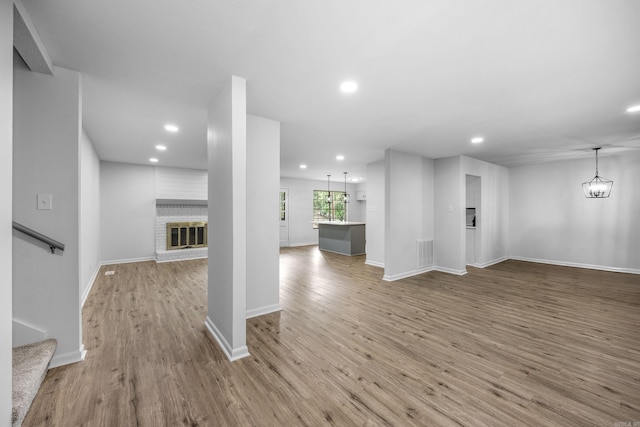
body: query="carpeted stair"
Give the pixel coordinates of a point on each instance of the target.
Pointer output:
(30, 365)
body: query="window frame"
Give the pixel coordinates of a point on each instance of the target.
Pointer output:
(325, 211)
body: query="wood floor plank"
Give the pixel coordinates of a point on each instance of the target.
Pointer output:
(514, 344)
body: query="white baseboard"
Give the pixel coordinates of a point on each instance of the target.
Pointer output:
(374, 263)
(391, 278)
(399, 276)
(263, 310)
(231, 353)
(87, 291)
(68, 358)
(127, 261)
(450, 271)
(578, 265)
(489, 263)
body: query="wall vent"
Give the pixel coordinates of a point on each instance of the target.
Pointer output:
(424, 250)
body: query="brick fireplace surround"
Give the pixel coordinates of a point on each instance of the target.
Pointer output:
(168, 210)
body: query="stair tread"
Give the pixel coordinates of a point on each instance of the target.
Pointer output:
(30, 364)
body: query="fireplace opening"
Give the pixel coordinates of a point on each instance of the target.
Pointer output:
(183, 235)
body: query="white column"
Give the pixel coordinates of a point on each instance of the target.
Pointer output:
(6, 138)
(263, 223)
(227, 155)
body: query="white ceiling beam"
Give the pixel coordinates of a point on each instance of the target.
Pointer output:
(27, 41)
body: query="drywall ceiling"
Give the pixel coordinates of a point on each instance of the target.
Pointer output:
(539, 80)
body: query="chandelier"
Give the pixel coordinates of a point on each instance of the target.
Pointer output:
(598, 187)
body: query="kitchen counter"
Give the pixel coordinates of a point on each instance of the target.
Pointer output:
(347, 238)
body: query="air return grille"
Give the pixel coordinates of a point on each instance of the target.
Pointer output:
(424, 250)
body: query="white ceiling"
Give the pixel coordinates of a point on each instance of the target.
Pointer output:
(540, 80)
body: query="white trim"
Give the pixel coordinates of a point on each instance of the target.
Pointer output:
(127, 261)
(296, 245)
(260, 311)
(374, 263)
(87, 291)
(492, 262)
(578, 265)
(231, 353)
(68, 358)
(395, 277)
(489, 263)
(450, 271)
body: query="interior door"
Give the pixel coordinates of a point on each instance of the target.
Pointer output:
(284, 217)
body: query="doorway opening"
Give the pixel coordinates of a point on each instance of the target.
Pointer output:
(473, 219)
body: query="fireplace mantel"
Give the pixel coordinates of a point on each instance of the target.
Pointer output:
(189, 202)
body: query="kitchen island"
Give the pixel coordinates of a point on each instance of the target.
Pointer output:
(347, 238)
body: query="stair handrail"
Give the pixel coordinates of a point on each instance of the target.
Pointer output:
(53, 244)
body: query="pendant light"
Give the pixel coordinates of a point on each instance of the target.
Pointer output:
(328, 191)
(346, 196)
(598, 187)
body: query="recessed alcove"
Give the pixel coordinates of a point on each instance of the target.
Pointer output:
(472, 218)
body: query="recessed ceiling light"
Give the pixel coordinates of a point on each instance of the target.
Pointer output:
(303, 166)
(349, 87)
(153, 160)
(477, 140)
(339, 157)
(633, 109)
(171, 128)
(160, 147)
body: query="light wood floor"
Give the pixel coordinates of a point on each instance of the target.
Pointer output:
(515, 344)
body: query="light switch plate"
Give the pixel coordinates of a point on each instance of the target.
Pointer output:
(45, 202)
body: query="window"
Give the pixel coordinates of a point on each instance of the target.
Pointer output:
(324, 210)
(283, 206)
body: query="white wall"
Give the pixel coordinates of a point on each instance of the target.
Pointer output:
(449, 216)
(355, 209)
(89, 214)
(408, 211)
(263, 220)
(181, 184)
(552, 221)
(47, 129)
(301, 231)
(128, 203)
(428, 198)
(127, 212)
(492, 232)
(375, 214)
(6, 178)
(450, 209)
(227, 166)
